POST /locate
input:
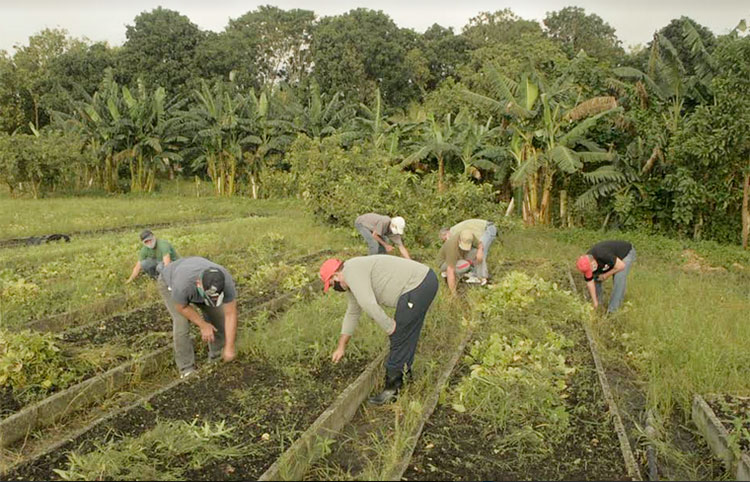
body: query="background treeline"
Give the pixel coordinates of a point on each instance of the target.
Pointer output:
(353, 113)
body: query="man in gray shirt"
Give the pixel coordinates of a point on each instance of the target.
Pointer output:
(197, 282)
(376, 228)
(371, 281)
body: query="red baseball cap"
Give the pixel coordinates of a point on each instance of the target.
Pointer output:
(584, 266)
(327, 269)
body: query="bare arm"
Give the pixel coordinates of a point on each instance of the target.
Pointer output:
(404, 252)
(380, 241)
(451, 277)
(591, 285)
(480, 253)
(136, 271)
(341, 348)
(207, 329)
(230, 330)
(619, 266)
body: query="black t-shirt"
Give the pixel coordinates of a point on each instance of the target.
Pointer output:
(606, 253)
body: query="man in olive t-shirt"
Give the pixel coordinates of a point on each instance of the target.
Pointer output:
(486, 232)
(604, 260)
(154, 255)
(457, 255)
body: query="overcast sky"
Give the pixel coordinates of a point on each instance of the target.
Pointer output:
(634, 20)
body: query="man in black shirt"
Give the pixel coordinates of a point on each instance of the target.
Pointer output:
(604, 260)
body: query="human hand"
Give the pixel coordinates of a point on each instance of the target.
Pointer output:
(228, 353)
(338, 355)
(388, 248)
(207, 332)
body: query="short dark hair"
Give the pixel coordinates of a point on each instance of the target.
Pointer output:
(145, 234)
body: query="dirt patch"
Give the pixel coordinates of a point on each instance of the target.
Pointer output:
(693, 262)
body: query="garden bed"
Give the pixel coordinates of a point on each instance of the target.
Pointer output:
(724, 422)
(554, 423)
(266, 405)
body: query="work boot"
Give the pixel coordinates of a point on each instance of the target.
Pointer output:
(393, 381)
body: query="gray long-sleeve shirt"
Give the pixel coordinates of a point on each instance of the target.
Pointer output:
(378, 280)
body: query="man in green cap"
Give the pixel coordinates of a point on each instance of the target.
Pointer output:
(154, 255)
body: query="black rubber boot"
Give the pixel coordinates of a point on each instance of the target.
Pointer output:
(393, 381)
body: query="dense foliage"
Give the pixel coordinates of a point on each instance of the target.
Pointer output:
(554, 115)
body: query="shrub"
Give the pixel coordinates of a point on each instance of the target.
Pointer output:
(340, 185)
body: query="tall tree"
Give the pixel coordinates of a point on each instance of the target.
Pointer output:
(160, 48)
(502, 26)
(577, 31)
(34, 76)
(361, 51)
(283, 39)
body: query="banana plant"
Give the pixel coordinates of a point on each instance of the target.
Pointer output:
(547, 136)
(437, 141)
(216, 123)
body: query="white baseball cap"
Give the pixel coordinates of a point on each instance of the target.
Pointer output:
(397, 225)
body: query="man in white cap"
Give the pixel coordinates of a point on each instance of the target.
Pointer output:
(486, 232)
(376, 228)
(457, 255)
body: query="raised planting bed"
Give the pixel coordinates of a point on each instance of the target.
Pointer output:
(525, 401)
(41, 238)
(23, 419)
(377, 443)
(266, 400)
(724, 421)
(114, 305)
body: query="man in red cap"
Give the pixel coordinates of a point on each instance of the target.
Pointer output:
(371, 281)
(607, 259)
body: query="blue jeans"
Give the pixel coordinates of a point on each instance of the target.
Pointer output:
(373, 247)
(619, 281)
(488, 237)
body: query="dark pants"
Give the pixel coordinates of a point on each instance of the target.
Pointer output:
(411, 310)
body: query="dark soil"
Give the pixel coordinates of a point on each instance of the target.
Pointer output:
(142, 330)
(252, 396)
(734, 414)
(456, 446)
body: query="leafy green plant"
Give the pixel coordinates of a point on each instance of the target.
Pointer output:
(32, 364)
(165, 452)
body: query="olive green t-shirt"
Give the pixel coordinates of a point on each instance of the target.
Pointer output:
(450, 253)
(476, 226)
(162, 248)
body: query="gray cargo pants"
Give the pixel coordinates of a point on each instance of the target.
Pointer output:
(619, 281)
(184, 354)
(373, 247)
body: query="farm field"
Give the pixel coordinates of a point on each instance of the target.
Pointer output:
(504, 385)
